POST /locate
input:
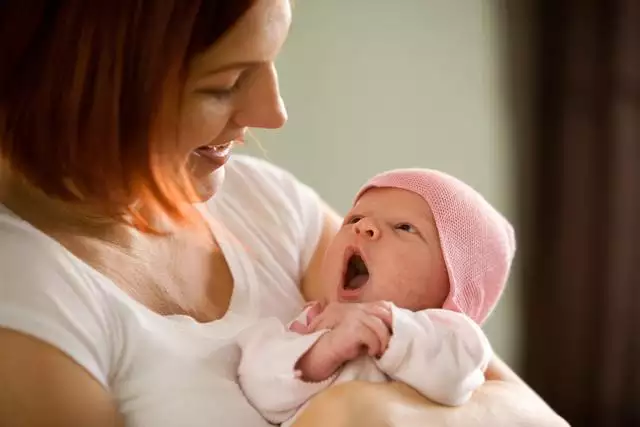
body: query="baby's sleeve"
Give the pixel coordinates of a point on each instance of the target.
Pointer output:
(267, 372)
(440, 353)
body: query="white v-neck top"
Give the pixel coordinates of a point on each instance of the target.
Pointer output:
(169, 371)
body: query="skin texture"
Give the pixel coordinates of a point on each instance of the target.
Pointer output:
(43, 387)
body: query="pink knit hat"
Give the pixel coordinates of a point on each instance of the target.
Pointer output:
(477, 242)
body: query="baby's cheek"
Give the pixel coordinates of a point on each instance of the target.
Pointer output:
(402, 282)
(411, 285)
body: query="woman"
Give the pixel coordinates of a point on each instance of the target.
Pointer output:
(124, 280)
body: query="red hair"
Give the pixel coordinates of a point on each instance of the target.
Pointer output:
(88, 90)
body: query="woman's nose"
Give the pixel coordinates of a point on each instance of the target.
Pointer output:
(261, 105)
(367, 229)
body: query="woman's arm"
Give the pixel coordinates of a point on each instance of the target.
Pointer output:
(312, 286)
(41, 386)
(503, 401)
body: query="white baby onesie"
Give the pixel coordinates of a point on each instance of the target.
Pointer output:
(440, 353)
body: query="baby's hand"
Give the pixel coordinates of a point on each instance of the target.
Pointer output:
(335, 313)
(356, 329)
(311, 310)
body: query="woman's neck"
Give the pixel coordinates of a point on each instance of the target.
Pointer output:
(142, 264)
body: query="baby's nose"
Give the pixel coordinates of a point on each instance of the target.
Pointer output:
(367, 228)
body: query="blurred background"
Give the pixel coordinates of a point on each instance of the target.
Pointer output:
(534, 103)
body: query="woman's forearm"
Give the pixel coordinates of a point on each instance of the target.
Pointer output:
(355, 404)
(507, 402)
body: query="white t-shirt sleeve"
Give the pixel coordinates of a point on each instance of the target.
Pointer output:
(440, 353)
(267, 373)
(44, 294)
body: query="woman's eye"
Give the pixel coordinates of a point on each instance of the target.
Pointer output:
(406, 227)
(227, 84)
(221, 93)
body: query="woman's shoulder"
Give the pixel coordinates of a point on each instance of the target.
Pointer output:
(44, 293)
(24, 248)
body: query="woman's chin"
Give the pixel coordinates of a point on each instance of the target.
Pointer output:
(207, 186)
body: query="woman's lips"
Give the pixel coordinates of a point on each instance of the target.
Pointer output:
(215, 152)
(212, 156)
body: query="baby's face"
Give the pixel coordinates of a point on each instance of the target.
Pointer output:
(387, 249)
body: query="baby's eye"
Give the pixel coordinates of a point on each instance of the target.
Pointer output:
(352, 219)
(406, 227)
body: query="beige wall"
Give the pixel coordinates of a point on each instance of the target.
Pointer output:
(373, 85)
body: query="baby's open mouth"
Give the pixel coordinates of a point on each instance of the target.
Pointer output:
(356, 274)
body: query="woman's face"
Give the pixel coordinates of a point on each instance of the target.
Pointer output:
(232, 86)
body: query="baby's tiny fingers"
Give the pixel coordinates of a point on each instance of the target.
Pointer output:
(298, 327)
(381, 332)
(382, 312)
(322, 321)
(370, 340)
(313, 311)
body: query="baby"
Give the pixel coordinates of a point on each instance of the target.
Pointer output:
(417, 266)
